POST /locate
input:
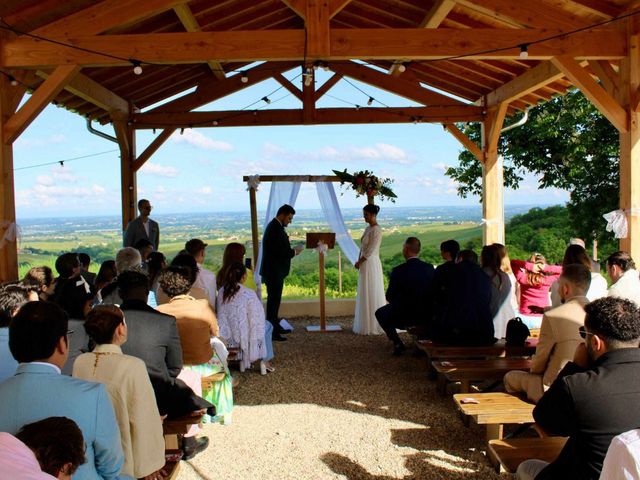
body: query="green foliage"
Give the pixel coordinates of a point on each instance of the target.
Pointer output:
(571, 146)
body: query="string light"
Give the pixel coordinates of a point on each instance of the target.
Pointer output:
(308, 77)
(137, 66)
(524, 51)
(214, 123)
(370, 101)
(266, 100)
(244, 78)
(12, 80)
(182, 131)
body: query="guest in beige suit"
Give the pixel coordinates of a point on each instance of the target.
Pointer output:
(559, 336)
(130, 390)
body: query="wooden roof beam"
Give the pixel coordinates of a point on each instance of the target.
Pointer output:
(532, 80)
(395, 85)
(152, 148)
(282, 80)
(323, 116)
(465, 141)
(328, 85)
(437, 13)
(318, 44)
(38, 101)
(607, 75)
(105, 15)
(345, 44)
(336, 6)
(190, 24)
(298, 6)
(607, 105)
(92, 92)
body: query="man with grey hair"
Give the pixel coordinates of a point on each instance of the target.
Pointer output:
(127, 258)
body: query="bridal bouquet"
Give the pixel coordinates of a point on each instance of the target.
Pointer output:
(366, 183)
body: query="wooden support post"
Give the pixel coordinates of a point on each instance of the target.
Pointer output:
(254, 228)
(630, 143)
(492, 182)
(128, 186)
(9, 251)
(323, 310)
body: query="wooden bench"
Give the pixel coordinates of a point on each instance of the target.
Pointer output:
(207, 382)
(512, 452)
(467, 371)
(175, 428)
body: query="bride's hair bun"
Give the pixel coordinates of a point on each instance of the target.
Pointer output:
(371, 208)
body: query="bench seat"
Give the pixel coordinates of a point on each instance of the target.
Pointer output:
(512, 452)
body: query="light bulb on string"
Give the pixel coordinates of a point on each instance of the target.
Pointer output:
(401, 68)
(266, 100)
(370, 101)
(524, 51)
(244, 78)
(137, 67)
(12, 80)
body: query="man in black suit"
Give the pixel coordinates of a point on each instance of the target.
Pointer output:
(596, 397)
(276, 262)
(142, 228)
(407, 294)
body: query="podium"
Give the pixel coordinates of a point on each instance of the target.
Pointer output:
(315, 240)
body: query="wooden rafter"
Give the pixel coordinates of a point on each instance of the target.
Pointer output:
(309, 99)
(317, 41)
(282, 80)
(104, 16)
(152, 148)
(607, 105)
(328, 85)
(91, 91)
(298, 6)
(607, 75)
(437, 13)
(396, 85)
(248, 46)
(539, 76)
(323, 116)
(600, 7)
(465, 141)
(336, 6)
(190, 24)
(38, 101)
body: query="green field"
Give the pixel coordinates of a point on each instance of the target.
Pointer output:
(301, 283)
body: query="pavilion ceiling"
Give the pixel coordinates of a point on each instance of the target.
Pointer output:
(458, 55)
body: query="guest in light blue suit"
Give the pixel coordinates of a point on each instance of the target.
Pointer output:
(38, 341)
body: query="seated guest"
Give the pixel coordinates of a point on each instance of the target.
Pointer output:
(621, 461)
(198, 327)
(595, 266)
(47, 449)
(448, 251)
(408, 295)
(145, 247)
(622, 272)
(42, 279)
(577, 254)
(501, 289)
(183, 259)
(235, 252)
(595, 397)
(130, 390)
(156, 262)
(85, 261)
(12, 297)
(106, 274)
(38, 341)
(242, 320)
(505, 266)
(72, 292)
(534, 278)
(127, 258)
(559, 336)
(205, 279)
(465, 318)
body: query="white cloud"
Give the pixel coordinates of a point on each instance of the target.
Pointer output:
(159, 170)
(26, 142)
(206, 190)
(441, 166)
(379, 153)
(199, 140)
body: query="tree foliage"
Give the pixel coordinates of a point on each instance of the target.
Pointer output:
(569, 145)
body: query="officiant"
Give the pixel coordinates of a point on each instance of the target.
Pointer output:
(276, 262)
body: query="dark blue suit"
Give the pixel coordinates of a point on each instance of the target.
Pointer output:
(408, 297)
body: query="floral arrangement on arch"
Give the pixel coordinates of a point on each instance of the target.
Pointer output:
(366, 183)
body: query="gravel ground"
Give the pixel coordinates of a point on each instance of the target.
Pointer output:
(339, 406)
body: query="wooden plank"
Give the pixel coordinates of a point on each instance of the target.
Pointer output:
(530, 81)
(9, 251)
(395, 85)
(328, 85)
(512, 452)
(437, 13)
(603, 8)
(152, 148)
(336, 6)
(607, 75)
(103, 16)
(128, 181)
(295, 178)
(317, 25)
(346, 44)
(298, 6)
(295, 91)
(607, 105)
(38, 101)
(465, 141)
(190, 24)
(323, 116)
(91, 91)
(495, 408)
(492, 177)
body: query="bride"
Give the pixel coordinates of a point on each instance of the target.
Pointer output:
(370, 295)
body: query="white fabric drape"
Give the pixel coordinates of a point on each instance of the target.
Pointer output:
(281, 193)
(331, 210)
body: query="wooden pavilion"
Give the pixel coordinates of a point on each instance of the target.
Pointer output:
(460, 60)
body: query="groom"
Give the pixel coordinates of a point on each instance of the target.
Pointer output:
(276, 261)
(407, 294)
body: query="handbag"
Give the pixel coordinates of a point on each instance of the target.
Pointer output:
(517, 332)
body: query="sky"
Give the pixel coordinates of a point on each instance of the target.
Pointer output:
(201, 169)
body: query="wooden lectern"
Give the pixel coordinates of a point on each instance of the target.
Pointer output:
(313, 240)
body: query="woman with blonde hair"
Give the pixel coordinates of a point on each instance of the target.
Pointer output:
(505, 266)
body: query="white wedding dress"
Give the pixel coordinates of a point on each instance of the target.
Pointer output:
(370, 294)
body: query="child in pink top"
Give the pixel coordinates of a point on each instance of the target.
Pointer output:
(535, 278)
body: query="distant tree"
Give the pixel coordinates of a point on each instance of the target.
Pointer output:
(571, 146)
